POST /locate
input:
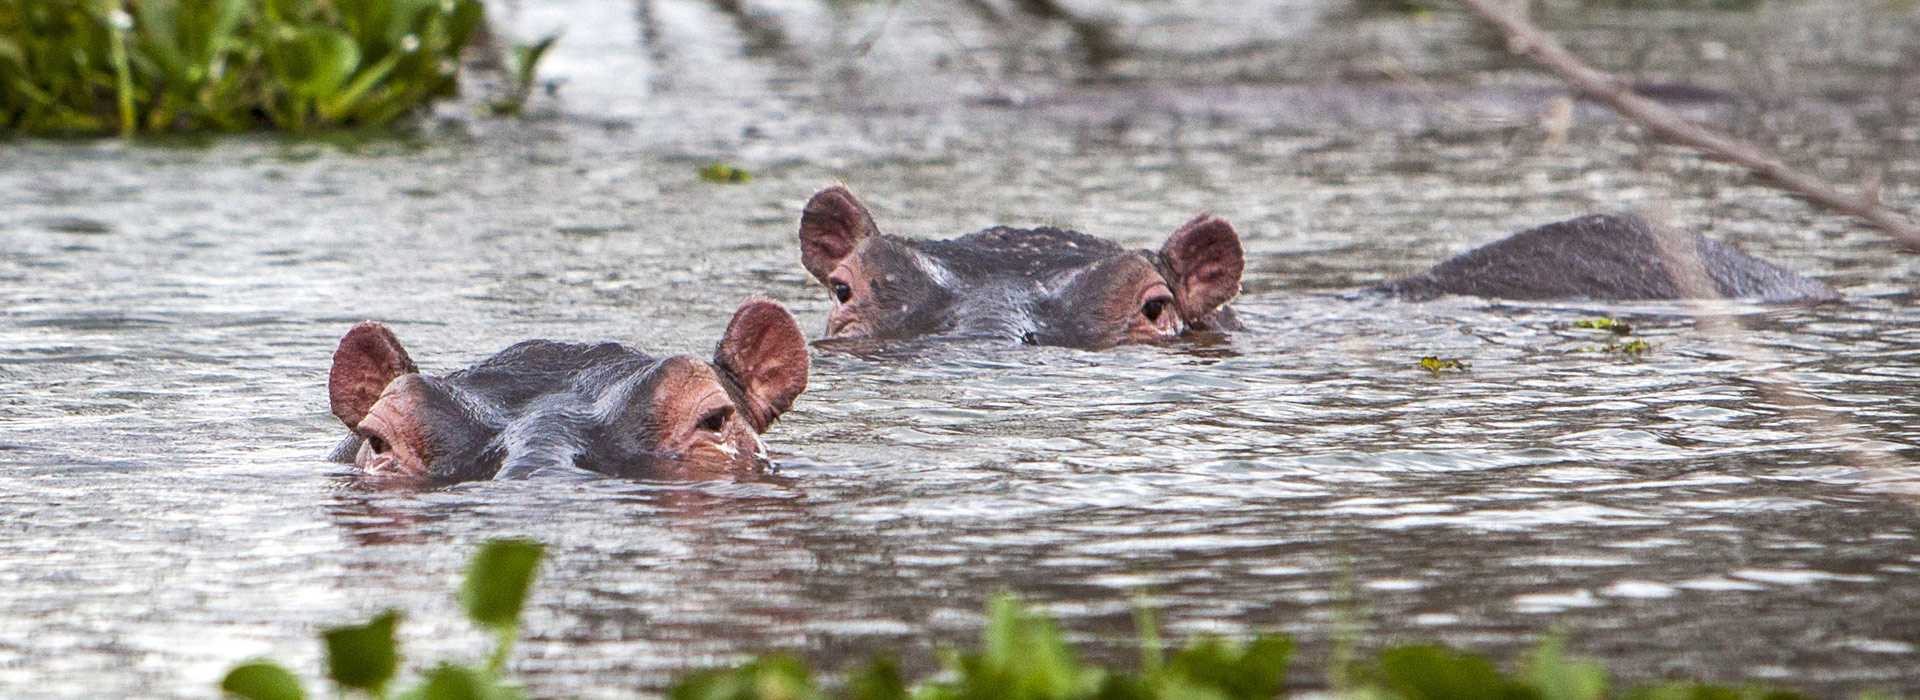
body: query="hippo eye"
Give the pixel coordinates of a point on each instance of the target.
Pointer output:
(716, 419)
(841, 291)
(1153, 308)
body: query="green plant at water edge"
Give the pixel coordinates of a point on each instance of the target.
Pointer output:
(365, 657)
(83, 67)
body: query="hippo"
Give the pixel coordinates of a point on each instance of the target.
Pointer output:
(1608, 257)
(1049, 286)
(1040, 286)
(601, 407)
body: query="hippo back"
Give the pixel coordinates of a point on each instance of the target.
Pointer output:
(1610, 257)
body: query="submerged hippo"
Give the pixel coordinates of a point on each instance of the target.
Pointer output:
(604, 407)
(1052, 287)
(1609, 257)
(1041, 286)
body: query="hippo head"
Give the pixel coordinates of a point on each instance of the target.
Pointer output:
(1041, 286)
(603, 407)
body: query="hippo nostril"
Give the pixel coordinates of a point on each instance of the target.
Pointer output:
(1029, 338)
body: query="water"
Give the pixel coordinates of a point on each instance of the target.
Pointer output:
(1736, 504)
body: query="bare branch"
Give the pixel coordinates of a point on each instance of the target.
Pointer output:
(1525, 38)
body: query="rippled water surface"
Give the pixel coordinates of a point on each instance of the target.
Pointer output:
(1736, 504)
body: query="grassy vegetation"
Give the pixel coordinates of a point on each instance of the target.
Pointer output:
(1021, 656)
(89, 67)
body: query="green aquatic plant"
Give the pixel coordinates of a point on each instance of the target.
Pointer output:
(86, 67)
(366, 658)
(725, 174)
(1436, 365)
(526, 59)
(1611, 325)
(1621, 344)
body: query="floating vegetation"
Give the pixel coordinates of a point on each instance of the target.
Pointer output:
(366, 658)
(1022, 656)
(1436, 365)
(1630, 348)
(725, 174)
(91, 67)
(1615, 326)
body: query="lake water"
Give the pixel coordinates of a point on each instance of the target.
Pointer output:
(1738, 503)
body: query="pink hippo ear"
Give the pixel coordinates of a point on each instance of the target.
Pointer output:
(764, 351)
(1204, 262)
(368, 358)
(831, 226)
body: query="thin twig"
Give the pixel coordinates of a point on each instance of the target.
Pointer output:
(1525, 38)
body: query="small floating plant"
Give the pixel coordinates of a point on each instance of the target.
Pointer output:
(724, 174)
(1620, 343)
(1436, 365)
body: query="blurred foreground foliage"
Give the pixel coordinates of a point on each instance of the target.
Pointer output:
(89, 67)
(1422, 7)
(1022, 655)
(365, 658)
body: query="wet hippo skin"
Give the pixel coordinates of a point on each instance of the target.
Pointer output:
(1042, 286)
(1608, 257)
(603, 407)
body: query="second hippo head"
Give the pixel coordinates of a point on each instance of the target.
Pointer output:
(1041, 286)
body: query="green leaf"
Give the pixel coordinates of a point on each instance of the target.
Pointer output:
(878, 680)
(1703, 691)
(313, 61)
(1560, 678)
(468, 15)
(1023, 655)
(1256, 670)
(725, 174)
(776, 677)
(1430, 672)
(262, 680)
(452, 682)
(363, 656)
(498, 581)
(289, 11)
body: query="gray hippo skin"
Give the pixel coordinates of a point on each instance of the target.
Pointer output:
(603, 407)
(1608, 257)
(1041, 286)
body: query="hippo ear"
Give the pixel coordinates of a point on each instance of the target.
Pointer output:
(766, 354)
(368, 358)
(831, 226)
(1204, 263)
